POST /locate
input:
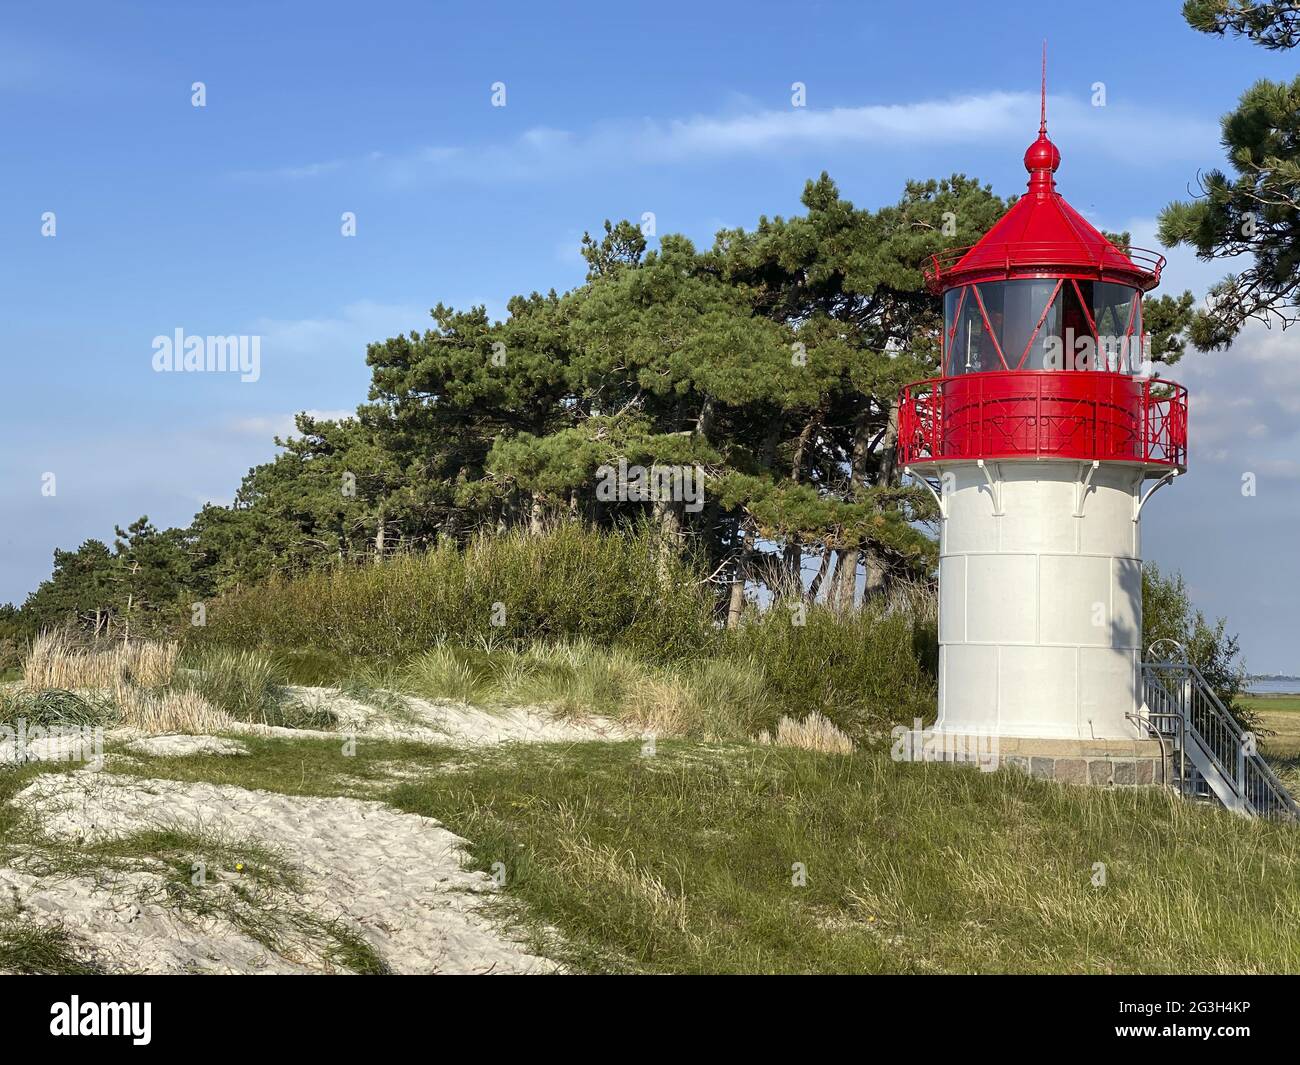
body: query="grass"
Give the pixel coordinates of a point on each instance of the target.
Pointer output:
(1280, 716)
(686, 861)
(27, 948)
(56, 707)
(859, 674)
(252, 688)
(360, 768)
(1271, 704)
(35, 950)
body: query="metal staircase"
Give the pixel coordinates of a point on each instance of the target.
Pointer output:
(1213, 758)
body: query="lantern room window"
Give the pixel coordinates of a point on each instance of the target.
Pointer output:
(1032, 323)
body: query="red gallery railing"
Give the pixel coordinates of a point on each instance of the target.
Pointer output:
(1043, 414)
(1043, 258)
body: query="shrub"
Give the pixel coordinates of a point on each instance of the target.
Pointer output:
(861, 671)
(1168, 614)
(569, 583)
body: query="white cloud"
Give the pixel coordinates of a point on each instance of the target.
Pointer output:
(987, 119)
(346, 335)
(1245, 402)
(282, 425)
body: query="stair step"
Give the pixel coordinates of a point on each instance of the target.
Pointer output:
(1180, 706)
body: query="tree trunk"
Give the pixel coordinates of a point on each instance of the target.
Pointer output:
(668, 517)
(736, 606)
(889, 448)
(381, 530)
(510, 511)
(839, 596)
(805, 438)
(877, 572)
(704, 423)
(885, 443)
(792, 577)
(815, 586)
(536, 516)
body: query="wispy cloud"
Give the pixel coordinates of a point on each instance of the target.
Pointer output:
(989, 119)
(266, 426)
(344, 335)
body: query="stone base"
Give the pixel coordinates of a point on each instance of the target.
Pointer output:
(1101, 763)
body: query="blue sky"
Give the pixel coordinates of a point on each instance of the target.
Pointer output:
(225, 219)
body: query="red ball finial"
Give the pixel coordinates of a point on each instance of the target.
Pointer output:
(1042, 155)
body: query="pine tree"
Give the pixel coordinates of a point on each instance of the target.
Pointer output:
(1255, 211)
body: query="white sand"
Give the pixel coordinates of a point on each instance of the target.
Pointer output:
(395, 878)
(446, 722)
(175, 745)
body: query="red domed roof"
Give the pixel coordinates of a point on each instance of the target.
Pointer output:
(1043, 236)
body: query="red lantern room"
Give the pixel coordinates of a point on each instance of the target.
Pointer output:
(1044, 353)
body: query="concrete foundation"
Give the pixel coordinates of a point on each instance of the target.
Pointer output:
(1098, 763)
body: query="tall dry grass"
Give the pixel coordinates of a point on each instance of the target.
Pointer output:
(813, 733)
(170, 710)
(134, 684)
(59, 661)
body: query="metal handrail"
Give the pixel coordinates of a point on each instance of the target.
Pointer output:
(1044, 414)
(1044, 255)
(1179, 744)
(1177, 688)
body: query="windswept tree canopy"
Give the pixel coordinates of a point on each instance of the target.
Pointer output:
(769, 362)
(1254, 210)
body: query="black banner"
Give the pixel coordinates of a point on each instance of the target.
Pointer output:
(239, 1016)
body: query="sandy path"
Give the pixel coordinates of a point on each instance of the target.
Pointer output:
(396, 878)
(444, 721)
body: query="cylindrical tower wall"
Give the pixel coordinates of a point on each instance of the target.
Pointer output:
(1040, 584)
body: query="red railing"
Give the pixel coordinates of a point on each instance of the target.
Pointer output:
(1056, 259)
(1043, 414)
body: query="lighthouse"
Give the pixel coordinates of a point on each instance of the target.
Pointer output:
(1043, 440)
